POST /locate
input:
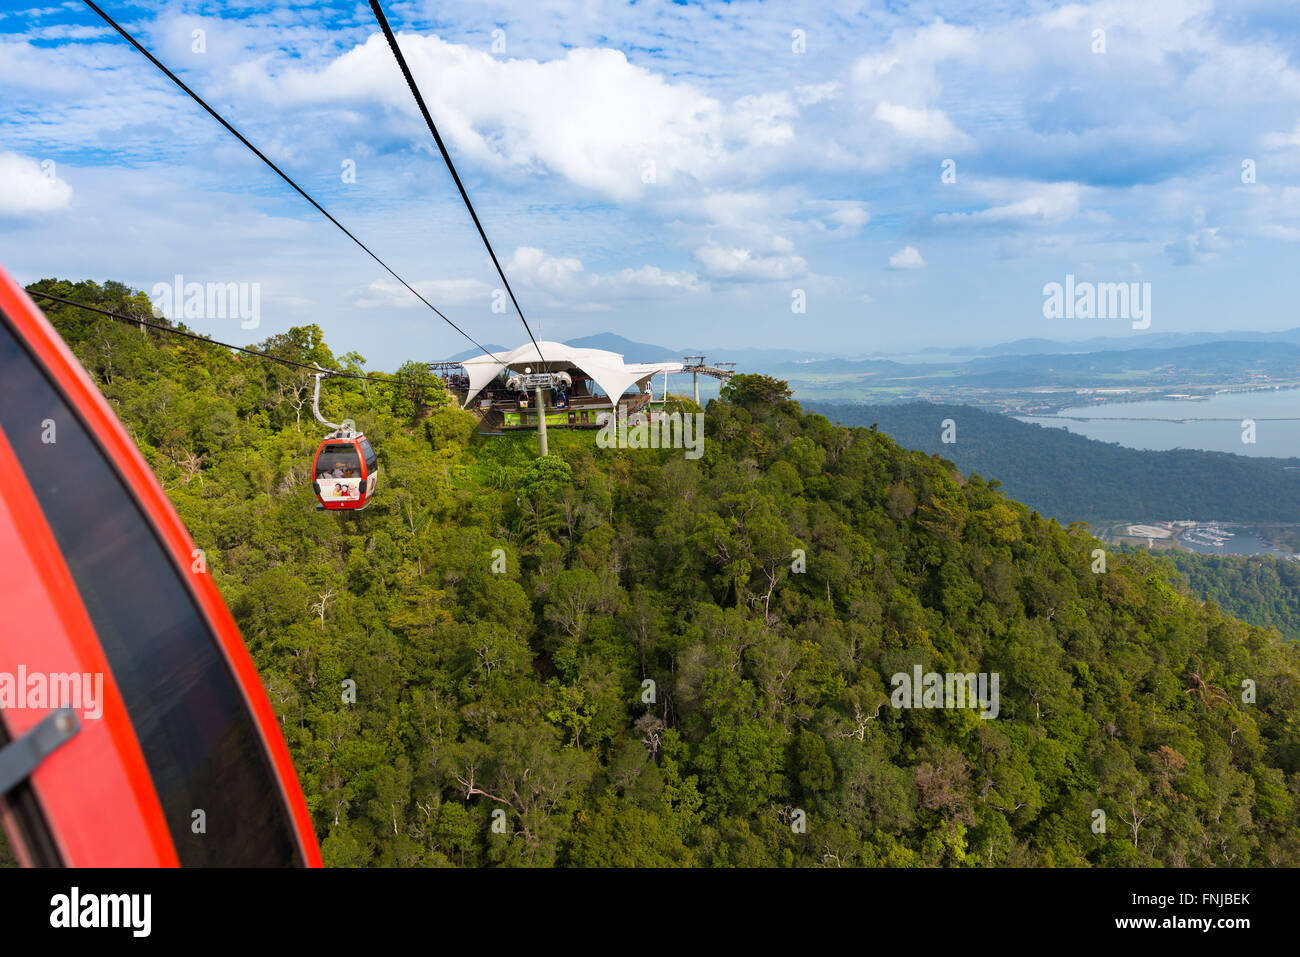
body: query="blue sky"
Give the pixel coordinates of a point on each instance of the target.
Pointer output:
(674, 173)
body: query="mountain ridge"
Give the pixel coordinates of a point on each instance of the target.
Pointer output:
(1075, 478)
(1023, 348)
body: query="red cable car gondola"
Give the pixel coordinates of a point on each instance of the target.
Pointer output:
(134, 730)
(345, 470)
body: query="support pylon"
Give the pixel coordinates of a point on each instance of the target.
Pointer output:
(541, 422)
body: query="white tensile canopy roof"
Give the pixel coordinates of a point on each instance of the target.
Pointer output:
(606, 369)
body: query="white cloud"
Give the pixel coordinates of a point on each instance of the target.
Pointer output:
(566, 283)
(1018, 204)
(849, 217)
(906, 258)
(28, 187)
(389, 293)
(649, 278)
(1287, 234)
(732, 210)
(560, 280)
(930, 129)
(729, 262)
(1287, 140)
(811, 94)
(591, 116)
(1197, 247)
(898, 85)
(558, 274)
(906, 71)
(69, 31)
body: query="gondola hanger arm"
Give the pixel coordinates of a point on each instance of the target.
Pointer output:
(347, 426)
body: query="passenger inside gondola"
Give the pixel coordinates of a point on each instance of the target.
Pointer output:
(338, 461)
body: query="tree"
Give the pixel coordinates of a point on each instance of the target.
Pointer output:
(417, 391)
(755, 390)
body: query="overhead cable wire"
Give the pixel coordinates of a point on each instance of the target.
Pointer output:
(137, 321)
(442, 148)
(283, 175)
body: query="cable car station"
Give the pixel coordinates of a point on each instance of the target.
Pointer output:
(573, 388)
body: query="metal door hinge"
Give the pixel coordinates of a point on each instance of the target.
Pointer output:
(20, 758)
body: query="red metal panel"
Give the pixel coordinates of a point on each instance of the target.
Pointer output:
(95, 790)
(98, 416)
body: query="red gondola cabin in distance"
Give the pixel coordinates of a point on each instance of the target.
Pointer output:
(345, 471)
(134, 730)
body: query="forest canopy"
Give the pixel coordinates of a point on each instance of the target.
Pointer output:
(628, 658)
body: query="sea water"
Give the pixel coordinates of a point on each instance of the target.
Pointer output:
(1214, 424)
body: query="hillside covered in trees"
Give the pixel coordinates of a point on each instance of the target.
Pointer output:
(1073, 478)
(646, 660)
(1261, 589)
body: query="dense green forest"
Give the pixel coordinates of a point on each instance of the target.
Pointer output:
(1260, 589)
(646, 660)
(1074, 478)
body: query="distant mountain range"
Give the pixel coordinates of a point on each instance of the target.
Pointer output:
(1041, 368)
(1144, 340)
(471, 353)
(646, 352)
(801, 361)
